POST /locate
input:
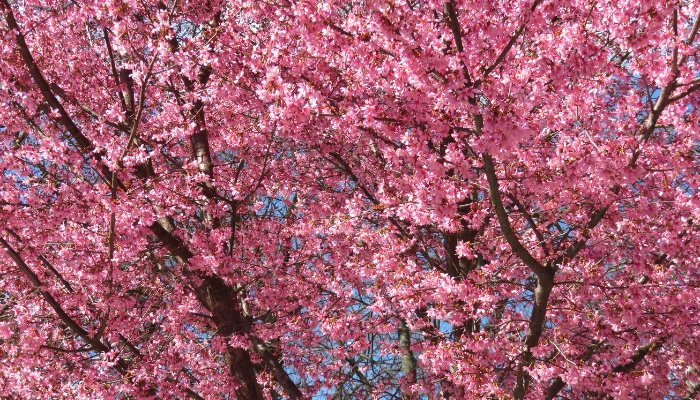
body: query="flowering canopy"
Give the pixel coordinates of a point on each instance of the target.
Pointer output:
(349, 199)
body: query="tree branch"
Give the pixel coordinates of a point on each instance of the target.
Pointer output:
(532, 223)
(61, 350)
(637, 357)
(74, 326)
(545, 280)
(509, 45)
(42, 84)
(451, 14)
(578, 245)
(558, 383)
(507, 230)
(57, 274)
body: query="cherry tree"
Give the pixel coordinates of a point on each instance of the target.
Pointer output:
(338, 199)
